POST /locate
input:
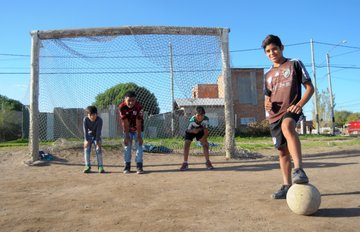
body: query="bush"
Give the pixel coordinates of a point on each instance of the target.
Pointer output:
(254, 129)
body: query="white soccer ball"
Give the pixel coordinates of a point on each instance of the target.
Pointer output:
(303, 199)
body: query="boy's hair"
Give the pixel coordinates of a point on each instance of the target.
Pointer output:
(91, 110)
(200, 110)
(130, 94)
(271, 39)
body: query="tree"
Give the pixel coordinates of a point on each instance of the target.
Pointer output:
(353, 117)
(341, 117)
(10, 121)
(115, 95)
(324, 108)
(9, 104)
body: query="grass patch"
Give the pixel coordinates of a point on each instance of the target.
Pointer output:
(252, 144)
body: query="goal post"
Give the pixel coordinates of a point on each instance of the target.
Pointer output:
(65, 64)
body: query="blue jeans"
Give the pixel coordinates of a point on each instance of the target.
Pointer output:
(139, 148)
(87, 152)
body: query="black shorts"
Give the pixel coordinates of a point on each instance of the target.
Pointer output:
(191, 136)
(276, 132)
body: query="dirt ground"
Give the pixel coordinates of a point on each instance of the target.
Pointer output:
(57, 196)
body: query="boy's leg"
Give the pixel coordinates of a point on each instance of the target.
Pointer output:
(285, 165)
(205, 145)
(127, 150)
(284, 159)
(185, 165)
(99, 157)
(127, 154)
(87, 151)
(139, 154)
(288, 126)
(139, 150)
(187, 149)
(293, 143)
(285, 168)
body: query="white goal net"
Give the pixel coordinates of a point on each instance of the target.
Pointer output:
(172, 70)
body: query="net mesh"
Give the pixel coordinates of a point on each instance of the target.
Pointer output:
(171, 74)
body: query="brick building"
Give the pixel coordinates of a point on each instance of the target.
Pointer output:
(248, 98)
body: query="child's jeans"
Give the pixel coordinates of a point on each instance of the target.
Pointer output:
(87, 152)
(139, 148)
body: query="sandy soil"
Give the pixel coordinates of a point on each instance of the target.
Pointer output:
(57, 196)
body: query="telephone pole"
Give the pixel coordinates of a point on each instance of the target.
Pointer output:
(315, 92)
(331, 96)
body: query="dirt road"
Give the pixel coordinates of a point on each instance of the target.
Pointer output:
(235, 196)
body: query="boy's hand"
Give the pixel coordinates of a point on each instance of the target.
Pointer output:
(126, 140)
(86, 143)
(295, 109)
(268, 104)
(140, 140)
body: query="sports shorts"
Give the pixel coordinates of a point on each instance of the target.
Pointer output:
(278, 137)
(191, 136)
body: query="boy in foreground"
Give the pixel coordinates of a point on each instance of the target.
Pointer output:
(198, 128)
(283, 105)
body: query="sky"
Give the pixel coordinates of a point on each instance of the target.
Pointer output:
(332, 25)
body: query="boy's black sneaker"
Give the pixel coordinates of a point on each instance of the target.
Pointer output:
(139, 167)
(184, 166)
(87, 169)
(299, 176)
(127, 168)
(281, 193)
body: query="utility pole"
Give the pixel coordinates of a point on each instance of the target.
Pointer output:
(331, 95)
(315, 92)
(172, 92)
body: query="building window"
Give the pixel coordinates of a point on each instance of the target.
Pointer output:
(246, 86)
(245, 121)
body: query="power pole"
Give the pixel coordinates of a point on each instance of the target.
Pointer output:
(172, 92)
(316, 93)
(331, 95)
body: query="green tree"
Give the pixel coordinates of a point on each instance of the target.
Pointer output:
(10, 121)
(115, 95)
(341, 117)
(9, 104)
(353, 117)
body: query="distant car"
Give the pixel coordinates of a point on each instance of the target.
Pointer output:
(352, 128)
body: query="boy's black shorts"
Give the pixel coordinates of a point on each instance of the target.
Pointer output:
(191, 136)
(276, 132)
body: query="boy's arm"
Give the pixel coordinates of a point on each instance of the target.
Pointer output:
(126, 126)
(98, 129)
(85, 130)
(309, 91)
(138, 130)
(206, 133)
(267, 103)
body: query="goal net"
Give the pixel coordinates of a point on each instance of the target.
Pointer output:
(172, 70)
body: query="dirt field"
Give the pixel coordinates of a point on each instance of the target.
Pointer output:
(235, 196)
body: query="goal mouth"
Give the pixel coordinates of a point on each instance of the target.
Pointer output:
(165, 65)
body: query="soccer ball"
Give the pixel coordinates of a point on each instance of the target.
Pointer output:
(303, 199)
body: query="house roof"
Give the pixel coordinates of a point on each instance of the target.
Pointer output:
(181, 102)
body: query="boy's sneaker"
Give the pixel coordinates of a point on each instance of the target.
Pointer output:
(281, 193)
(209, 165)
(299, 176)
(184, 166)
(127, 168)
(139, 167)
(87, 169)
(101, 169)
